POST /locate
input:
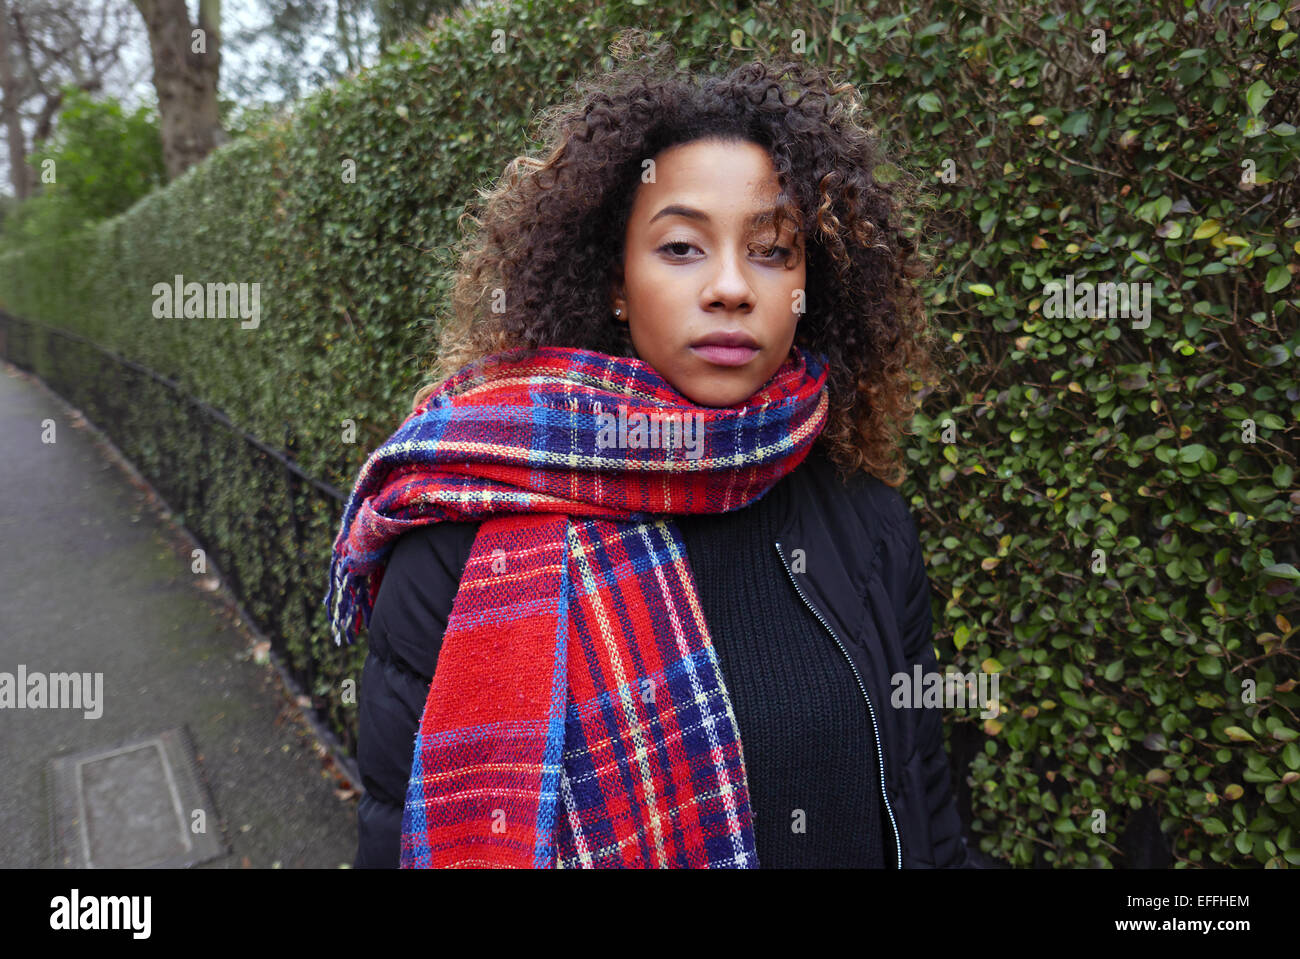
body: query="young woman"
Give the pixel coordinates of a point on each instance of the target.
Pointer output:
(635, 570)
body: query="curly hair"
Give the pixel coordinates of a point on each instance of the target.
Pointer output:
(550, 227)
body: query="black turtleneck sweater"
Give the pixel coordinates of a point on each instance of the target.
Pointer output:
(804, 727)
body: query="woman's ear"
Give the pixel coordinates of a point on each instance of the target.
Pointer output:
(617, 300)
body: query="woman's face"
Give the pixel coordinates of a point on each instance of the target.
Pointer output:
(688, 271)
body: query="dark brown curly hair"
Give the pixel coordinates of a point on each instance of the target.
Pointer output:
(551, 228)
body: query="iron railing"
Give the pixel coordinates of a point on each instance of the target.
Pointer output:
(261, 521)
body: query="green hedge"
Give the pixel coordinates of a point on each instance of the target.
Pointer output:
(1103, 528)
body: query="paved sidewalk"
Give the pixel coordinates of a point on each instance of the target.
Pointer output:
(92, 580)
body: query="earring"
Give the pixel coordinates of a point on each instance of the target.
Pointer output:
(618, 313)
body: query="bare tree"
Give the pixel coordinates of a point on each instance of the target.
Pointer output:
(304, 45)
(186, 68)
(346, 29)
(399, 17)
(45, 46)
(19, 172)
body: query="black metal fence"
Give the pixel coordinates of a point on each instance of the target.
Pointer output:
(261, 521)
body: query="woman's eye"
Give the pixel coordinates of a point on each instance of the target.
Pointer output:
(682, 243)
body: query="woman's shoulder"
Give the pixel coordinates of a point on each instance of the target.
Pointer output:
(417, 589)
(430, 552)
(877, 505)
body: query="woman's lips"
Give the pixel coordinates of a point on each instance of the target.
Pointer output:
(726, 355)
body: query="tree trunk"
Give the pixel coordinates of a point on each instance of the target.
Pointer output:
(341, 25)
(185, 74)
(20, 174)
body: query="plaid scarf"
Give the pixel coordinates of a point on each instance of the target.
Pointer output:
(577, 715)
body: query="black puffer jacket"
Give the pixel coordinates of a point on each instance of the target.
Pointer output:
(862, 577)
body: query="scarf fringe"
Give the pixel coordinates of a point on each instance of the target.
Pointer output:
(347, 602)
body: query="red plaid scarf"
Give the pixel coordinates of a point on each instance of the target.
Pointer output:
(578, 715)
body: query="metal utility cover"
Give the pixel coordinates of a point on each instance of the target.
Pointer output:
(133, 806)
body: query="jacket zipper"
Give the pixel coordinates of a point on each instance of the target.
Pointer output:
(898, 840)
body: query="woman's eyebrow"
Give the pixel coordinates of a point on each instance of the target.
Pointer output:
(676, 209)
